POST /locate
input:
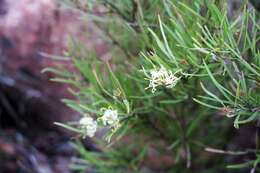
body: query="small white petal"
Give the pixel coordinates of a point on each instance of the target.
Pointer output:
(88, 125)
(110, 117)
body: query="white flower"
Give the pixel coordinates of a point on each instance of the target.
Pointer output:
(162, 77)
(110, 117)
(88, 125)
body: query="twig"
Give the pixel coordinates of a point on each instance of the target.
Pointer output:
(229, 152)
(116, 10)
(134, 10)
(115, 42)
(182, 123)
(133, 24)
(11, 112)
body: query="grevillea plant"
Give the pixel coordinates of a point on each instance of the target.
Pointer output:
(183, 79)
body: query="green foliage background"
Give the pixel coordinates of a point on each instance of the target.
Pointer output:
(218, 59)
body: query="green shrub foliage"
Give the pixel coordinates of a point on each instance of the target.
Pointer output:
(183, 79)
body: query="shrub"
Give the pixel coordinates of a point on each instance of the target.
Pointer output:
(183, 78)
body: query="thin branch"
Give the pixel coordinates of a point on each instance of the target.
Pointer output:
(115, 42)
(11, 112)
(230, 152)
(113, 7)
(134, 10)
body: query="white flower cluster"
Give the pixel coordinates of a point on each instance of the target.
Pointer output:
(88, 125)
(110, 117)
(162, 77)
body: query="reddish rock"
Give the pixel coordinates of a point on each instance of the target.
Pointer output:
(29, 102)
